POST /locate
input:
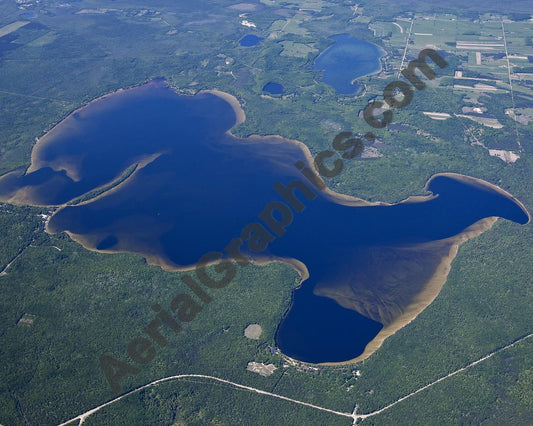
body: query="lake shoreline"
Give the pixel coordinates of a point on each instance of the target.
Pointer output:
(156, 256)
(430, 292)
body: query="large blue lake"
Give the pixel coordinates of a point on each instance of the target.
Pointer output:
(197, 187)
(346, 60)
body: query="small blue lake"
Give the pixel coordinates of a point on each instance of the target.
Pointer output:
(347, 60)
(250, 40)
(273, 88)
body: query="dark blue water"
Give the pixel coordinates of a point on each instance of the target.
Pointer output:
(318, 330)
(250, 40)
(346, 60)
(273, 88)
(206, 186)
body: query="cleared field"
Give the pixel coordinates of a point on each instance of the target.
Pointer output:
(489, 122)
(9, 28)
(437, 115)
(361, 19)
(314, 5)
(297, 50)
(289, 26)
(44, 40)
